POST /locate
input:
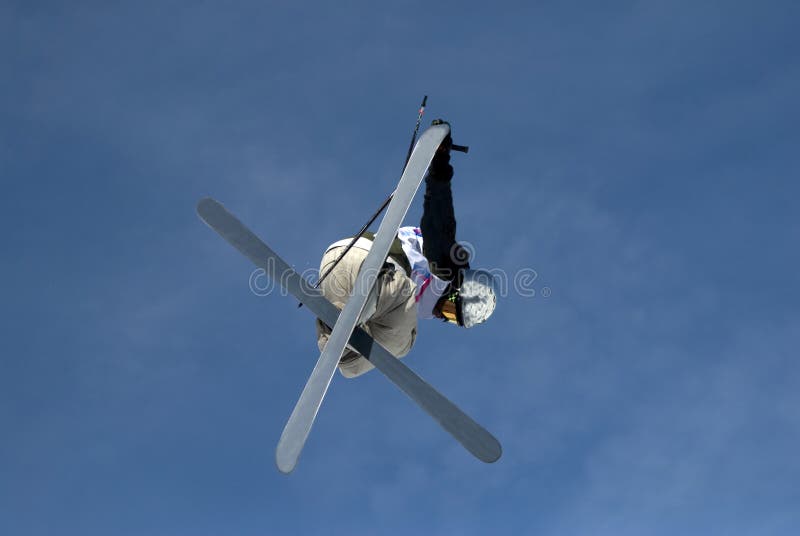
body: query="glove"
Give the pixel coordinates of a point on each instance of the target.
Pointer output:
(441, 170)
(447, 143)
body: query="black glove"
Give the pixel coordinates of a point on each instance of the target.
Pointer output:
(440, 169)
(447, 143)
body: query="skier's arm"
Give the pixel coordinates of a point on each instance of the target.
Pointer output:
(438, 224)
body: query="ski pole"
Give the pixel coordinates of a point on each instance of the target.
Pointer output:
(385, 203)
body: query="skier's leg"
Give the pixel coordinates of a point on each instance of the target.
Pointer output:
(337, 288)
(392, 324)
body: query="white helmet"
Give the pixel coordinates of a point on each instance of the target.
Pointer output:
(477, 297)
(473, 302)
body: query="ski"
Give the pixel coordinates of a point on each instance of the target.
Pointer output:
(476, 439)
(305, 411)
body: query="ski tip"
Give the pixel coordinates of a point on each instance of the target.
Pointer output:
(487, 449)
(493, 454)
(206, 204)
(285, 461)
(209, 209)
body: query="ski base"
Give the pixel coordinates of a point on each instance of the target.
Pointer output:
(476, 439)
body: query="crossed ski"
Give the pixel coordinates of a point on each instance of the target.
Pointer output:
(470, 434)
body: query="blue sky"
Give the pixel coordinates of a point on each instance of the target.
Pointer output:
(637, 155)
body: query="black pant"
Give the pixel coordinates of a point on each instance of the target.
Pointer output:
(438, 225)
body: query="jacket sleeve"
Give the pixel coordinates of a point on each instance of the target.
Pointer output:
(438, 224)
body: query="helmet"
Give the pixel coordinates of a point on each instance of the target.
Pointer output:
(473, 302)
(478, 297)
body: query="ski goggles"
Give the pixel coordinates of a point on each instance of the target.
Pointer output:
(450, 309)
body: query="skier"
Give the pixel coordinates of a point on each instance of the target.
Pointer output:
(428, 278)
(411, 278)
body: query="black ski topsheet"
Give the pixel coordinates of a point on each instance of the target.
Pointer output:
(476, 439)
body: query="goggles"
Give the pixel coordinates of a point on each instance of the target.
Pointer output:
(450, 309)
